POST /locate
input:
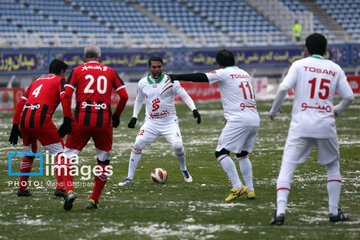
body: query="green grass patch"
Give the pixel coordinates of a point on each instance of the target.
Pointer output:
(177, 210)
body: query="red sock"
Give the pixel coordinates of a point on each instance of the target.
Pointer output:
(26, 165)
(99, 184)
(63, 174)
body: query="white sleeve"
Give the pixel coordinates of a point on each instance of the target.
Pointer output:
(186, 98)
(214, 76)
(341, 106)
(280, 96)
(290, 79)
(343, 88)
(138, 102)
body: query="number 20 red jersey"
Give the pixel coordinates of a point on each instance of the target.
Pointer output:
(93, 82)
(41, 99)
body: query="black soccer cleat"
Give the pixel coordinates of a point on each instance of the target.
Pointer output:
(24, 193)
(60, 193)
(338, 218)
(278, 220)
(69, 200)
(91, 204)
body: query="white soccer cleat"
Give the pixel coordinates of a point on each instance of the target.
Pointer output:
(126, 181)
(187, 177)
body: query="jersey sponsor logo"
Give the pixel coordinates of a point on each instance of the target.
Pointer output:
(212, 72)
(321, 109)
(239, 76)
(243, 106)
(163, 114)
(85, 68)
(35, 106)
(155, 104)
(319, 70)
(97, 106)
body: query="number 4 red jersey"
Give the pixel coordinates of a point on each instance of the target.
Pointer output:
(93, 83)
(39, 102)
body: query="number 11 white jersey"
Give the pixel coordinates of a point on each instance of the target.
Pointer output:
(237, 95)
(315, 80)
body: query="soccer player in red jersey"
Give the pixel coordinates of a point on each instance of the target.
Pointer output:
(93, 118)
(34, 115)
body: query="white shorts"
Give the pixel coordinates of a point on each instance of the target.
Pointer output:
(297, 150)
(151, 130)
(236, 138)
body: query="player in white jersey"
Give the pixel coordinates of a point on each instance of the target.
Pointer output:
(242, 120)
(160, 120)
(315, 80)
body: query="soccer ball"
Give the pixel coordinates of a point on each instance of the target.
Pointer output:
(158, 175)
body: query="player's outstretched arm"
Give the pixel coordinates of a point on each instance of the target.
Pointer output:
(280, 96)
(190, 77)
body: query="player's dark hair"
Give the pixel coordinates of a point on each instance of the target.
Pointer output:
(225, 58)
(155, 59)
(56, 66)
(316, 44)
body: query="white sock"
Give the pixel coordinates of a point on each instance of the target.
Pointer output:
(246, 171)
(282, 196)
(230, 169)
(133, 162)
(181, 159)
(334, 189)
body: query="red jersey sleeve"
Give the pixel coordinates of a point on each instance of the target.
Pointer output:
(119, 87)
(20, 106)
(65, 97)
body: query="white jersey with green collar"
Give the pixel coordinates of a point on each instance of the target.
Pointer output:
(315, 80)
(159, 96)
(237, 94)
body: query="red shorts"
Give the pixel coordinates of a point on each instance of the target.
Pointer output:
(47, 136)
(80, 135)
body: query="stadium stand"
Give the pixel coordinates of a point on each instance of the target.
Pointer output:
(159, 23)
(346, 12)
(239, 21)
(299, 9)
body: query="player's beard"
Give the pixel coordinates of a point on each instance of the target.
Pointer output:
(156, 75)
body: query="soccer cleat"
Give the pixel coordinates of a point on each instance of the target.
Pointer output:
(250, 194)
(187, 177)
(338, 218)
(60, 193)
(278, 220)
(91, 204)
(126, 181)
(24, 193)
(235, 193)
(69, 200)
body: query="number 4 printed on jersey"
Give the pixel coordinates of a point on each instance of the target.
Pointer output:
(37, 91)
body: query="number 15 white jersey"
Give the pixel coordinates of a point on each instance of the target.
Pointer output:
(315, 80)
